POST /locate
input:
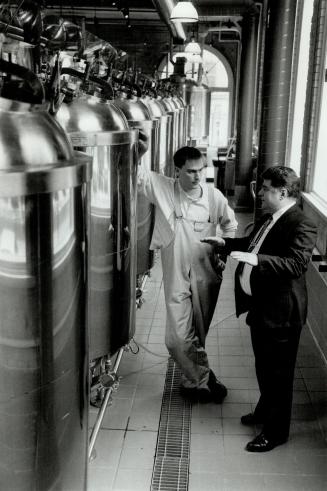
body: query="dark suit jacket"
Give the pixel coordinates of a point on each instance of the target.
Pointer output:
(279, 292)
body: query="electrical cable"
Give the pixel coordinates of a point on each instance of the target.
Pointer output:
(149, 351)
(224, 319)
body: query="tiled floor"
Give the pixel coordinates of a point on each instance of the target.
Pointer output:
(126, 444)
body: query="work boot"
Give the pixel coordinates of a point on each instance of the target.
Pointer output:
(194, 394)
(217, 389)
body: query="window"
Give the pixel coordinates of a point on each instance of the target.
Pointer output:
(320, 170)
(301, 85)
(217, 76)
(214, 71)
(219, 119)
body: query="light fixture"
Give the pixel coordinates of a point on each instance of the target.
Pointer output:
(195, 59)
(125, 12)
(193, 48)
(184, 12)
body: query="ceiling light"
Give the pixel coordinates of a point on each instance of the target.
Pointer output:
(193, 48)
(125, 12)
(184, 12)
(195, 59)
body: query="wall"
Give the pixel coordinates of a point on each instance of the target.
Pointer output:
(317, 282)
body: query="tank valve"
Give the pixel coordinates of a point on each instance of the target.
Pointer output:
(103, 381)
(139, 300)
(107, 365)
(108, 380)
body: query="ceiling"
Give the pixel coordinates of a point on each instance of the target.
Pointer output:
(151, 14)
(150, 10)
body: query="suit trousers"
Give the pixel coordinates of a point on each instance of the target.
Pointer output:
(275, 350)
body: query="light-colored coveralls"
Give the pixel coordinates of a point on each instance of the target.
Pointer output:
(191, 279)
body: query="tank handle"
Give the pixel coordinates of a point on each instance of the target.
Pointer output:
(32, 93)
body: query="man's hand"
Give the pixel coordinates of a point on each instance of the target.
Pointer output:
(214, 241)
(143, 143)
(245, 257)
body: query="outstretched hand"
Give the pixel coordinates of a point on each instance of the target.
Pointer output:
(245, 257)
(143, 143)
(214, 241)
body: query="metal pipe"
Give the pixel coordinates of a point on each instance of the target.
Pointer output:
(245, 123)
(226, 8)
(164, 8)
(103, 406)
(276, 86)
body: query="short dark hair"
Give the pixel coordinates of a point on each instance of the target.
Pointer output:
(186, 153)
(283, 177)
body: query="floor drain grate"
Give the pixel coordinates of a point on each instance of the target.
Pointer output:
(171, 465)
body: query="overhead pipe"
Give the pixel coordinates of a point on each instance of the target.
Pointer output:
(164, 9)
(227, 8)
(260, 65)
(231, 7)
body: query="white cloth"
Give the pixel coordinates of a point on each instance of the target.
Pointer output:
(247, 270)
(159, 190)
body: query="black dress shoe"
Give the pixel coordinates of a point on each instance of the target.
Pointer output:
(261, 443)
(251, 419)
(217, 389)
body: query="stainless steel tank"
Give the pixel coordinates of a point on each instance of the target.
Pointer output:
(185, 118)
(198, 97)
(181, 121)
(101, 130)
(158, 112)
(43, 275)
(138, 116)
(173, 111)
(169, 167)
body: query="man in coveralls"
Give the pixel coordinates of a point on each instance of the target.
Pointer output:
(187, 210)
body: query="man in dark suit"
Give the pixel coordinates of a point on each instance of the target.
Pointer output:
(270, 285)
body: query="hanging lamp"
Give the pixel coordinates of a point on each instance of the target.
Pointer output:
(195, 59)
(184, 12)
(193, 48)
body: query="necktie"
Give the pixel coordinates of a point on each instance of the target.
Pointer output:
(259, 234)
(255, 240)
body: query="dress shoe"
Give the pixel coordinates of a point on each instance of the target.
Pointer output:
(261, 443)
(194, 394)
(217, 389)
(251, 419)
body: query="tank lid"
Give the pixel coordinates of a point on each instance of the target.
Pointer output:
(176, 102)
(162, 105)
(30, 137)
(169, 105)
(133, 109)
(156, 109)
(33, 146)
(91, 114)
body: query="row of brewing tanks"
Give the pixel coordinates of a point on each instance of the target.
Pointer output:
(74, 250)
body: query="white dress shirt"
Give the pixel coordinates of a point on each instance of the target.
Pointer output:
(246, 273)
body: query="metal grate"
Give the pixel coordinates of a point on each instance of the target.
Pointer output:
(171, 465)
